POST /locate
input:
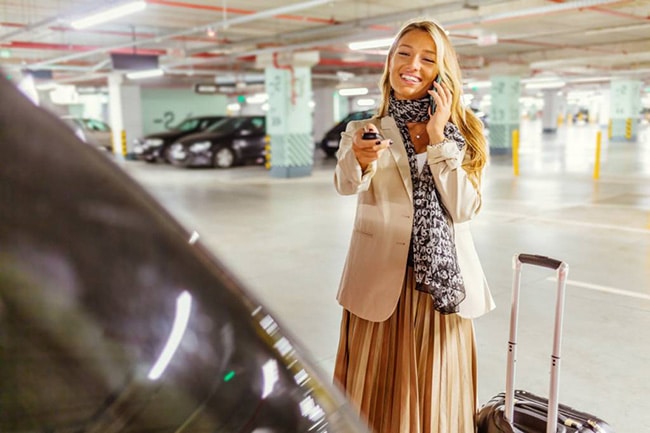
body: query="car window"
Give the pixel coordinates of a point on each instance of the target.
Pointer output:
(97, 125)
(187, 125)
(228, 125)
(205, 123)
(257, 123)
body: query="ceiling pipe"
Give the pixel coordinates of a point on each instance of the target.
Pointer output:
(408, 14)
(527, 13)
(346, 26)
(355, 24)
(229, 22)
(230, 10)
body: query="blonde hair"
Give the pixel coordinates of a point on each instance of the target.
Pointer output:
(449, 69)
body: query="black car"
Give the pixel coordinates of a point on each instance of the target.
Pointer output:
(231, 141)
(139, 330)
(330, 142)
(155, 147)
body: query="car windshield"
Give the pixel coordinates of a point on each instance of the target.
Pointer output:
(187, 125)
(227, 125)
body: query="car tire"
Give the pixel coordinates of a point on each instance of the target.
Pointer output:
(224, 157)
(166, 155)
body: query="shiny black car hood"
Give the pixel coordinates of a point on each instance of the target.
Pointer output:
(111, 320)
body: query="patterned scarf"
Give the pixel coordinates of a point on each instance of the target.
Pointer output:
(435, 263)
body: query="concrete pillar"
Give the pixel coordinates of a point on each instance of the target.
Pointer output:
(324, 111)
(125, 108)
(504, 114)
(625, 108)
(551, 111)
(289, 119)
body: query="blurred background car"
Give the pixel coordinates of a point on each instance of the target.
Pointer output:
(229, 142)
(483, 117)
(155, 147)
(91, 131)
(330, 141)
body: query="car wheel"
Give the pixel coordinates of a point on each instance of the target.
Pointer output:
(167, 155)
(224, 158)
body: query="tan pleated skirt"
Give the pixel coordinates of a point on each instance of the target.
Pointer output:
(413, 373)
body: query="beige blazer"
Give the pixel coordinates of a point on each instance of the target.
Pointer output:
(374, 269)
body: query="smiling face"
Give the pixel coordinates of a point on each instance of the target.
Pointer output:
(413, 65)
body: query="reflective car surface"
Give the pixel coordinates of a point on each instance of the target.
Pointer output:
(155, 147)
(114, 319)
(330, 141)
(232, 141)
(91, 131)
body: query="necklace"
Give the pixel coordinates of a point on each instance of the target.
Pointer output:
(419, 134)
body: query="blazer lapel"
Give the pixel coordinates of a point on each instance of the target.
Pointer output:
(389, 129)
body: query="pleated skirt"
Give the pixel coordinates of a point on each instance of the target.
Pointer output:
(413, 373)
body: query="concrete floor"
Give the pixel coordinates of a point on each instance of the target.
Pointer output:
(286, 239)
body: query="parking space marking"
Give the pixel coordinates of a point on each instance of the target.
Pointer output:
(605, 289)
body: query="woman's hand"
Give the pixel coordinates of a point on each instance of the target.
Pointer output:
(368, 150)
(436, 124)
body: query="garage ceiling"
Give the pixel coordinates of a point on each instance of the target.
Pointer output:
(582, 41)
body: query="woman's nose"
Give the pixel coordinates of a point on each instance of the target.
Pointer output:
(415, 63)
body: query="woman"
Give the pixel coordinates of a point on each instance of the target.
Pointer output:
(412, 281)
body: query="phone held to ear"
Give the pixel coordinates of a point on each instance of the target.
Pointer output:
(431, 100)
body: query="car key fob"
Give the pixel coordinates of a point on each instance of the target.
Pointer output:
(370, 135)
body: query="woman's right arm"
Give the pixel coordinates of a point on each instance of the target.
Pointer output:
(352, 176)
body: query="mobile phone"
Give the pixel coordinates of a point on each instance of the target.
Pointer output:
(370, 135)
(431, 100)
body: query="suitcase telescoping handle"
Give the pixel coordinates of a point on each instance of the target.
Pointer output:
(562, 271)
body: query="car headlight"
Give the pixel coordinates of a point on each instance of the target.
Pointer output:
(153, 142)
(200, 146)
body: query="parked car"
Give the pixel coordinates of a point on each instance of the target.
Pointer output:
(330, 141)
(91, 131)
(155, 147)
(138, 330)
(231, 141)
(482, 116)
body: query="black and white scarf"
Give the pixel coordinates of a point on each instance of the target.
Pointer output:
(435, 263)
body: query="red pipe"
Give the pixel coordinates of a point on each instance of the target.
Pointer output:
(289, 68)
(235, 11)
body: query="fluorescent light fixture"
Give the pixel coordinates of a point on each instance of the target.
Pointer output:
(366, 102)
(109, 14)
(148, 73)
(354, 91)
(557, 84)
(183, 308)
(258, 98)
(233, 107)
(374, 43)
(479, 84)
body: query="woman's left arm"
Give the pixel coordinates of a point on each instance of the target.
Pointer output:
(459, 196)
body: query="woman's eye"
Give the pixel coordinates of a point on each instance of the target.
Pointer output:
(402, 53)
(429, 60)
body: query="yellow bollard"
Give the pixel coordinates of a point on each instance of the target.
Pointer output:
(597, 160)
(628, 128)
(124, 143)
(267, 153)
(609, 129)
(560, 119)
(515, 152)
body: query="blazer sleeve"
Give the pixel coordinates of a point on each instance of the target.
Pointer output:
(348, 177)
(459, 196)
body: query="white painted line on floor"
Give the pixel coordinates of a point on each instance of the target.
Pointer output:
(605, 289)
(568, 222)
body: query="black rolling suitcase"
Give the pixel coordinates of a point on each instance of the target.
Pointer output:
(520, 411)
